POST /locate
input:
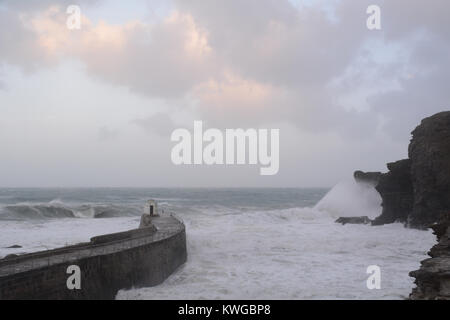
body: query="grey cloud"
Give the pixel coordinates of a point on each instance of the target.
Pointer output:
(301, 52)
(107, 134)
(160, 124)
(273, 42)
(295, 53)
(424, 29)
(18, 45)
(264, 63)
(405, 17)
(153, 64)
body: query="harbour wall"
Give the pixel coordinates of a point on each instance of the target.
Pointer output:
(136, 259)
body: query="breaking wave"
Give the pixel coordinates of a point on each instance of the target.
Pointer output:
(349, 198)
(55, 209)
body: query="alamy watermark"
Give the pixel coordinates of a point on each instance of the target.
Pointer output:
(374, 280)
(374, 20)
(234, 146)
(74, 280)
(73, 21)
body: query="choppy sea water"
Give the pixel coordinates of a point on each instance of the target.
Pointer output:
(242, 243)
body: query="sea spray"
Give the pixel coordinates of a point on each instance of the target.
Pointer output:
(349, 198)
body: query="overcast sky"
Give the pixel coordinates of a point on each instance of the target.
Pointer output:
(96, 106)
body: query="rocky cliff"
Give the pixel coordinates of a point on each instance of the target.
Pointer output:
(433, 277)
(416, 191)
(429, 152)
(396, 190)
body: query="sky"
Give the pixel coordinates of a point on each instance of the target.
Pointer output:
(96, 106)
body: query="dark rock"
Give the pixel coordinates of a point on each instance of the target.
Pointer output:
(396, 190)
(429, 152)
(416, 191)
(433, 277)
(354, 220)
(367, 177)
(16, 246)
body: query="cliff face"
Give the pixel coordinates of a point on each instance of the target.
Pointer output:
(396, 190)
(429, 152)
(433, 277)
(416, 191)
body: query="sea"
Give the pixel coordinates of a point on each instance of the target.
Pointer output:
(243, 243)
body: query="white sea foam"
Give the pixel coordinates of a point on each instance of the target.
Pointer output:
(295, 253)
(250, 253)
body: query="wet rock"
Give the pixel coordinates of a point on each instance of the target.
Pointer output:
(433, 277)
(367, 177)
(396, 190)
(16, 246)
(429, 152)
(354, 220)
(416, 190)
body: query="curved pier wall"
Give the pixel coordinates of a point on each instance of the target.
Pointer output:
(102, 275)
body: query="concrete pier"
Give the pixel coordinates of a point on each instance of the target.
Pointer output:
(135, 258)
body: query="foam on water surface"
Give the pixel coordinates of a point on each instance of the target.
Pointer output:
(290, 254)
(242, 243)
